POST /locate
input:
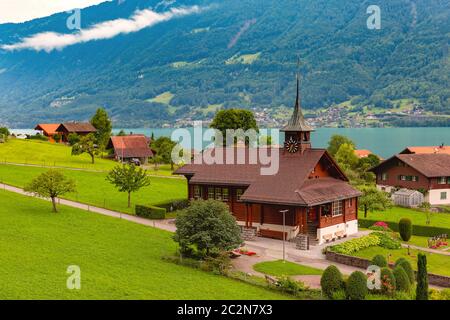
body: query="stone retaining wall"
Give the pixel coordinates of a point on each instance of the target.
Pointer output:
(434, 279)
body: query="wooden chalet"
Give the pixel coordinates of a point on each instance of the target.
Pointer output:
(48, 130)
(320, 203)
(129, 147)
(80, 128)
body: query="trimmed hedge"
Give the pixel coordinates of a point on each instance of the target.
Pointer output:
(417, 230)
(403, 263)
(357, 286)
(405, 228)
(380, 261)
(173, 205)
(150, 212)
(401, 279)
(331, 281)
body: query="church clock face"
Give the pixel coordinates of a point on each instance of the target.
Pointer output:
(291, 145)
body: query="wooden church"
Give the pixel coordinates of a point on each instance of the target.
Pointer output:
(308, 200)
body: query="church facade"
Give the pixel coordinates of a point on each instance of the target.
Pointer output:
(308, 198)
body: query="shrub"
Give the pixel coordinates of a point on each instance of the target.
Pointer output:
(418, 230)
(402, 282)
(39, 137)
(57, 137)
(286, 284)
(331, 281)
(379, 260)
(405, 228)
(357, 286)
(387, 241)
(443, 294)
(150, 212)
(339, 295)
(380, 226)
(173, 205)
(355, 245)
(422, 278)
(388, 284)
(219, 264)
(73, 138)
(403, 263)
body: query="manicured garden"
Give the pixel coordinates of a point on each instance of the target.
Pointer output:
(280, 268)
(93, 189)
(118, 259)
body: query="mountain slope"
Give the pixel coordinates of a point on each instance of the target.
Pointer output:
(233, 53)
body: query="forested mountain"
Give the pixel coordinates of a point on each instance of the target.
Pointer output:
(229, 53)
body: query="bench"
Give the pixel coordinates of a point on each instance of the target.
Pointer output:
(328, 237)
(340, 234)
(272, 281)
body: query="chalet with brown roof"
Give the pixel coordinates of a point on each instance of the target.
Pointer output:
(48, 130)
(427, 172)
(131, 147)
(80, 128)
(309, 198)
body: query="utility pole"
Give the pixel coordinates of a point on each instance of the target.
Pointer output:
(284, 233)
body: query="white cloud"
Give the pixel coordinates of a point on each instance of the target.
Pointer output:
(49, 41)
(24, 10)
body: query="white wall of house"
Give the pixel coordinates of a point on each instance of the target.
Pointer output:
(434, 196)
(349, 228)
(384, 188)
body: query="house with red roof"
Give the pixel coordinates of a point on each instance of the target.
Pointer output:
(308, 200)
(126, 148)
(48, 130)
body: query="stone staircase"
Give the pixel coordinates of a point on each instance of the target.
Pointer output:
(312, 233)
(248, 234)
(302, 241)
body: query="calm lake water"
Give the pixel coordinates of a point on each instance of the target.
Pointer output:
(383, 141)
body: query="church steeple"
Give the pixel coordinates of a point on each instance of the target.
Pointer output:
(297, 129)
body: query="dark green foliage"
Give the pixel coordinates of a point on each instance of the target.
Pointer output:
(208, 226)
(331, 281)
(336, 141)
(373, 199)
(418, 230)
(234, 119)
(39, 137)
(73, 138)
(103, 124)
(387, 241)
(401, 279)
(163, 147)
(86, 144)
(388, 284)
(379, 260)
(173, 205)
(405, 228)
(422, 278)
(150, 212)
(57, 137)
(356, 288)
(4, 133)
(403, 263)
(291, 286)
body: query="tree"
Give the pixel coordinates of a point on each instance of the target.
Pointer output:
(163, 147)
(208, 226)
(426, 206)
(51, 184)
(405, 228)
(73, 138)
(373, 199)
(4, 133)
(121, 133)
(422, 277)
(336, 141)
(103, 124)
(234, 119)
(87, 144)
(346, 157)
(128, 178)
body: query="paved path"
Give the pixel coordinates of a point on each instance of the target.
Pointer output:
(436, 251)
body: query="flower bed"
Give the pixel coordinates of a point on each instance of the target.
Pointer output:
(374, 239)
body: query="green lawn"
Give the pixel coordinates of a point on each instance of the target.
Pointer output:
(58, 155)
(436, 263)
(93, 188)
(280, 268)
(417, 217)
(118, 259)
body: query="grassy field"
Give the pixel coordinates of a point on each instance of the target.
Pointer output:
(436, 263)
(280, 268)
(118, 259)
(43, 153)
(93, 188)
(417, 217)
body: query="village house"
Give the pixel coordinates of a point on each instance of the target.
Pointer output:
(127, 148)
(426, 172)
(427, 150)
(48, 130)
(308, 200)
(79, 128)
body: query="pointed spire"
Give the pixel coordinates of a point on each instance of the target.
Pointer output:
(297, 121)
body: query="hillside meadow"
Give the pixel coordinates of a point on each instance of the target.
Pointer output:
(118, 259)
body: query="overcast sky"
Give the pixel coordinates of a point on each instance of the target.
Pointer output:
(24, 10)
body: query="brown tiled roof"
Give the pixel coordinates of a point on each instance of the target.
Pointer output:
(48, 128)
(132, 146)
(289, 186)
(80, 127)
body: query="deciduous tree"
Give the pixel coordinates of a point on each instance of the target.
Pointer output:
(103, 124)
(373, 199)
(87, 144)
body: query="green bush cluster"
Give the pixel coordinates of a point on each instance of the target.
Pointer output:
(401, 279)
(418, 230)
(388, 284)
(331, 281)
(387, 241)
(403, 263)
(355, 245)
(405, 228)
(379, 260)
(150, 212)
(356, 288)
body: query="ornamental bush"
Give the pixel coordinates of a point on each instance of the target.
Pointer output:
(150, 212)
(387, 241)
(379, 260)
(388, 284)
(355, 245)
(403, 263)
(357, 286)
(402, 282)
(331, 281)
(405, 228)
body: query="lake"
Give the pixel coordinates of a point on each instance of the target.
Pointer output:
(382, 141)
